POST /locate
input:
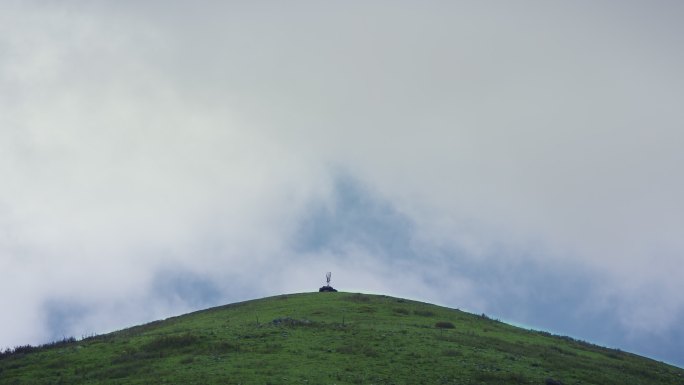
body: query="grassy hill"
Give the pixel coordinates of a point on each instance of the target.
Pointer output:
(329, 338)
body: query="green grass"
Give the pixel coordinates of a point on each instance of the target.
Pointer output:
(329, 338)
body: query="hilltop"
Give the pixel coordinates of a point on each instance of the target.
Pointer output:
(329, 338)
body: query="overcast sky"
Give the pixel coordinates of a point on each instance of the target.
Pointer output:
(521, 159)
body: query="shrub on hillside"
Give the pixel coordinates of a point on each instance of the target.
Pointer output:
(171, 342)
(444, 325)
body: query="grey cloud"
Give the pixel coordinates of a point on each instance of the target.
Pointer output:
(191, 289)
(353, 216)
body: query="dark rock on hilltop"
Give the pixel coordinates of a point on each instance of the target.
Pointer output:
(327, 288)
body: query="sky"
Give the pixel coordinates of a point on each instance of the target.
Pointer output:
(518, 159)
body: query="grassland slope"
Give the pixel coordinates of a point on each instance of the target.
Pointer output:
(330, 338)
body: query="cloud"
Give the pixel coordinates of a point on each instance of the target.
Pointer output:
(158, 158)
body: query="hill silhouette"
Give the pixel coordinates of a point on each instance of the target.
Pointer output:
(329, 338)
